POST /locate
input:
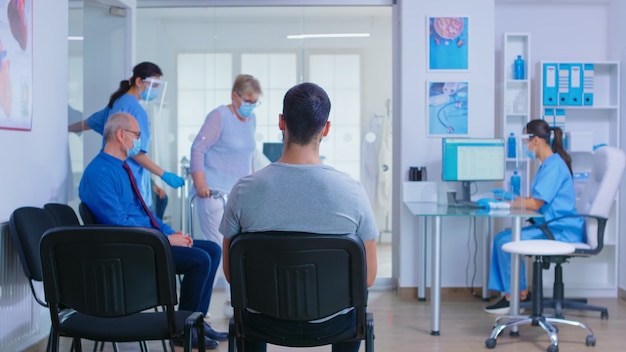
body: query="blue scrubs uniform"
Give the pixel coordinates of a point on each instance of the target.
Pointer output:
(553, 184)
(129, 104)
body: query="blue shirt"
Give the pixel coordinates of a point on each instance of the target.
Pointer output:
(129, 104)
(553, 184)
(106, 189)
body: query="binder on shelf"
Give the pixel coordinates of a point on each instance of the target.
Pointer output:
(564, 84)
(575, 84)
(588, 84)
(559, 118)
(550, 84)
(549, 116)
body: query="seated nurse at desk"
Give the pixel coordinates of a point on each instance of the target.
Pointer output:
(552, 194)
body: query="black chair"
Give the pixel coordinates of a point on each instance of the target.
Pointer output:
(107, 279)
(86, 214)
(27, 225)
(297, 277)
(63, 214)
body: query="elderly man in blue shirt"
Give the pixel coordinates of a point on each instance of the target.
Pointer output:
(109, 190)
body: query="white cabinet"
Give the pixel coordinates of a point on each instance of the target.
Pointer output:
(515, 102)
(583, 99)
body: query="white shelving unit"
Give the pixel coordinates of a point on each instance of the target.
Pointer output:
(596, 121)
(515, 102)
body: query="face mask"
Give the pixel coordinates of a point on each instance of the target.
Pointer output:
(529, 153)
(135, 149)
(149, 94)
(245, 109)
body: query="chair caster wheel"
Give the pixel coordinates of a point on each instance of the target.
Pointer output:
(553, 348)
(604, 315)
(490, 343)
(590, 340)
(514, 333)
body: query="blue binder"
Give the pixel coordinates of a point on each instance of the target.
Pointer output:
(550, 84)
(576, 84)
(564, 84)
(588, 84)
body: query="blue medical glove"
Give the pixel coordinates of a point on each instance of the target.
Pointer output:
(173, 180)
(502, 194)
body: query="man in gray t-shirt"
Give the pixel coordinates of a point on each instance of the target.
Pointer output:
(299, 193)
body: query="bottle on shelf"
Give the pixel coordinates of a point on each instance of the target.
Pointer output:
(516, 183)
(511, 146)
(518, 68)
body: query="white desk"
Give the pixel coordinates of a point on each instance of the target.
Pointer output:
(436, 212)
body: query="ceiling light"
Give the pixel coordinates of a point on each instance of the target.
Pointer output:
(75, 37)
(331, 35)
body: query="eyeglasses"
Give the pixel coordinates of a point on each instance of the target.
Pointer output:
(255, 103)
(153, 82)
(137, 134)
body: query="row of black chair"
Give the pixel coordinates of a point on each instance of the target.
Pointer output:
(100, 280)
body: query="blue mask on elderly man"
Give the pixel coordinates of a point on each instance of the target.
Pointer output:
(135, 149)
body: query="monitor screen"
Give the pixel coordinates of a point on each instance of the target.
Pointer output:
(473, 159)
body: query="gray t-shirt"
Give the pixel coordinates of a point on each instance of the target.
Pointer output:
(309, 198)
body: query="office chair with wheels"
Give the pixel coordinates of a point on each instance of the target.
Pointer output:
(595, 206)
(86, 214)
(101, 282)
(297, 277)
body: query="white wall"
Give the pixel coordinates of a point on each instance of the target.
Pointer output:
(35, 163)
(411, 144)
(34, 168)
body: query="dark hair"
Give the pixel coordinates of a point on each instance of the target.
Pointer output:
(142, 70)
(541, 129)
(305, 109)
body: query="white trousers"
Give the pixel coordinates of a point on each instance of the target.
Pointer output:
(209, 214)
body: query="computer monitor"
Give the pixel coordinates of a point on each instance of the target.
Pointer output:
(472, 159)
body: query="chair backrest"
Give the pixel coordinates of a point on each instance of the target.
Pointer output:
(63, 214)
(107, 271)
(600, 190)
(27, 225)
(297, 276)
(86, 214)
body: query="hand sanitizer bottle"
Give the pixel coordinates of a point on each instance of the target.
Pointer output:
(518, 68)
(516, 183)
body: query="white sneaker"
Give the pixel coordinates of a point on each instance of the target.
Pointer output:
(228, 310)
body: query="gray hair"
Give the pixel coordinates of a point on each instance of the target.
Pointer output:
(119, 120)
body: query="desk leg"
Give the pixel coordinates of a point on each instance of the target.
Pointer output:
(421, 289)
(516, 235)
(435, 280)
(486, 258)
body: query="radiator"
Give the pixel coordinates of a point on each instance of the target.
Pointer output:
(20, 315)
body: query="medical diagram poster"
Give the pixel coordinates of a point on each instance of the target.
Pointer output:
(16, 64)
(447, 108)
(448, 42)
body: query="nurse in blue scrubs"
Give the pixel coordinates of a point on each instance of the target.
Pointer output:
(145, 84)
(552, 194)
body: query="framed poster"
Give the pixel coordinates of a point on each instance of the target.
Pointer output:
(447, 109)
(448, 43)
(16, 64)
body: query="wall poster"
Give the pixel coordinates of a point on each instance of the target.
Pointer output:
(447, 108)
(448, 43)
(16, 64)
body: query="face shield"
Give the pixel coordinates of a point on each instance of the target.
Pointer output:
(153, 96)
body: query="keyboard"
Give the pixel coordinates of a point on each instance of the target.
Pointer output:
(464, 204)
